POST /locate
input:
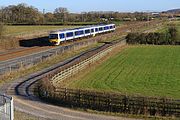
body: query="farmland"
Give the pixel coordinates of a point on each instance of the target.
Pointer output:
(140, 70)
(18, 30)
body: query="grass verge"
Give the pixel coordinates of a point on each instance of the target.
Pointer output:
(47, 63)
(142, 70)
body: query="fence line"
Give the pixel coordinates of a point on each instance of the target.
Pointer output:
(74, 69)
(29, 60)
(109, 102)
(112, 102)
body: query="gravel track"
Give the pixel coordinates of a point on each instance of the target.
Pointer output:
(25, 100)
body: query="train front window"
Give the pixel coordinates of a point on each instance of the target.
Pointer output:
(53, 36)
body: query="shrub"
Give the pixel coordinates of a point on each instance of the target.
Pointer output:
(172, 30)
(1, 29)
(167, 38)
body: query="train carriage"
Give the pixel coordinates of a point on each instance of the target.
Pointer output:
(56, 37)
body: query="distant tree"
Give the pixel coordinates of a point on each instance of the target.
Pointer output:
(2, 29)
(172, 30)
(61, 14)
(49, 17)
(21, 13)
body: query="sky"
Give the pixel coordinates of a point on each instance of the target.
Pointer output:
(99, 5)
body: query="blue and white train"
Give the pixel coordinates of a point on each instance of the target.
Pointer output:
(56, 37)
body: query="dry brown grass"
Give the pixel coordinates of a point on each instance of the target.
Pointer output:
(25, 116)
(44, 64)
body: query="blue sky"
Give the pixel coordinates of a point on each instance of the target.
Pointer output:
(99, 5)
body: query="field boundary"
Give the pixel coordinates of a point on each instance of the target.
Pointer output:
(111, 102)
(103, 101)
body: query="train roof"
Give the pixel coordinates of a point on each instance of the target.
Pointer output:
(73, 29)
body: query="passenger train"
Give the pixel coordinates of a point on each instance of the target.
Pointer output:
(56, 37)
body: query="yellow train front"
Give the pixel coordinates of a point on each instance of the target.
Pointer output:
(54, 38)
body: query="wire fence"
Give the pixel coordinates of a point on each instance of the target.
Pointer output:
(29, 60)
(6, 108)
(74, 69)
(113, 102)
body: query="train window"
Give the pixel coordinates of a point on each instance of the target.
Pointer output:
(96, 29)
(87, 31)
(100, 29)
(79, 32)
(111, 27)
(61, 36)
(92, 30)
(53, 36)
(106, 28)
(70, 34)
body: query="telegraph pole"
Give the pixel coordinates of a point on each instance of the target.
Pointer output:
(43, 11)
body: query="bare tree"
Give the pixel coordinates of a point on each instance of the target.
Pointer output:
(2, 28)
(61, 14)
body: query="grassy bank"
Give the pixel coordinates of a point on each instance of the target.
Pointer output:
(143, 70)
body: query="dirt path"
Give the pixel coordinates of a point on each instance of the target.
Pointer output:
(25, 101)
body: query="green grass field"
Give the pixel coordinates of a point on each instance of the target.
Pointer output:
(141, 70)
(18, 30)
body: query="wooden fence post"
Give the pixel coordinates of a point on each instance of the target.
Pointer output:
(79, 97)
(109, 103)
(65, 94)
(125, 103)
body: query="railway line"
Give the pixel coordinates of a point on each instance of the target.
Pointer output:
(14, 59)
(34, 58)
(21, 89)
(21, 52)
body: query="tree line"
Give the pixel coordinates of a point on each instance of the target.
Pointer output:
(24, 14)
(168, 37)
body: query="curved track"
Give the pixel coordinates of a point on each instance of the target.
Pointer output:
(26, 101)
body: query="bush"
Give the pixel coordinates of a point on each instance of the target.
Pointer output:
(1, 29)
(172, 30)
(155, 38)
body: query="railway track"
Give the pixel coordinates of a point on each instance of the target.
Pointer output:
(21, 52)
(34, 58)
(26, 101)
(14, 60)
